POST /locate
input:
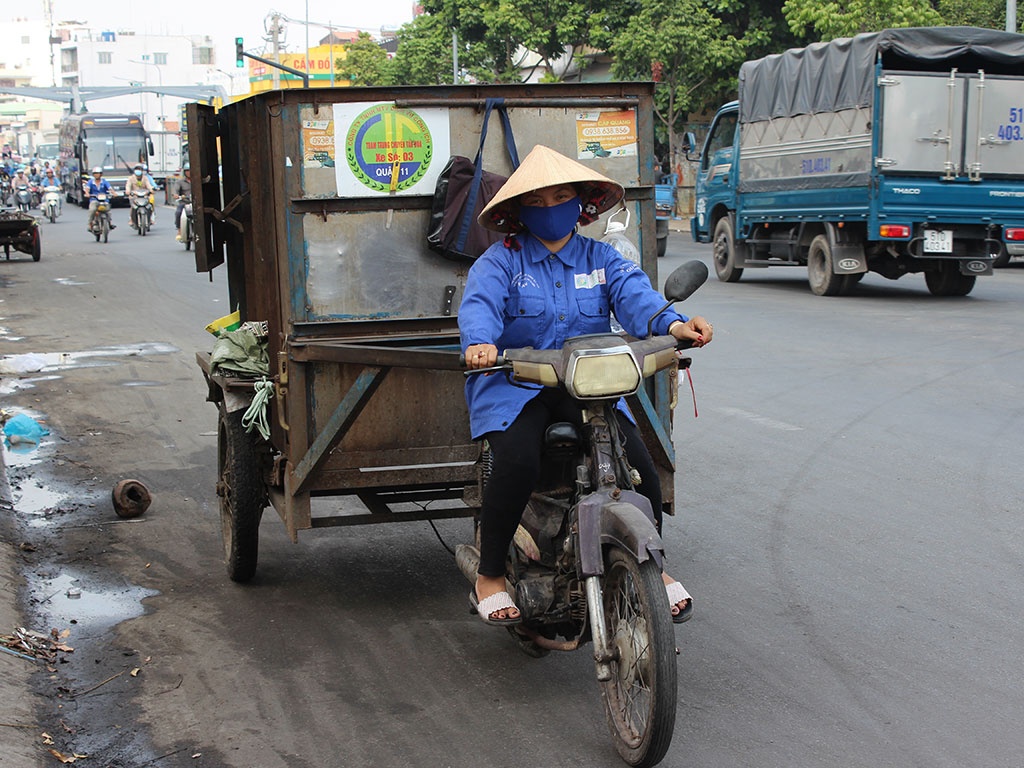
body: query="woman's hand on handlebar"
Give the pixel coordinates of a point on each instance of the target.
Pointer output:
(696, 330)
(481, 356)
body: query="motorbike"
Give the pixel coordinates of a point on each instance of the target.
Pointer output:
(100, 225)
(5, 190)
(142, 211)
(23, 198)
(585, 564)
(187, 227)
(51, 202)
(37, 195)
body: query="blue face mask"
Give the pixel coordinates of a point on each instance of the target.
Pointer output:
(551, 223)
(138, 173)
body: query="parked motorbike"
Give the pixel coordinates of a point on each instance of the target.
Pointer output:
(100, 225)
(187, 226)
(51, 202)
(23, 198)
(142, 211)
(586, 560)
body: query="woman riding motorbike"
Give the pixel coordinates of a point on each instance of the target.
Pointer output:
(544, 284)
(97, 185)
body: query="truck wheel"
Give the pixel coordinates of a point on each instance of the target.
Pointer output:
(662, 246)
(724, 252)
(1002, 259)
(241, 493)
(947, 280)
(824, 282)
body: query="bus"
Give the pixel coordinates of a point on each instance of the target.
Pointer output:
(115, 143)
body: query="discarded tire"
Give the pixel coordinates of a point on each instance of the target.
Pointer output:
(131, 498)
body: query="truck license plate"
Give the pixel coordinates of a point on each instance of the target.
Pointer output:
(938, 241)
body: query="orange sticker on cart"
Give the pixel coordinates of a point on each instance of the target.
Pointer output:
(602, 134)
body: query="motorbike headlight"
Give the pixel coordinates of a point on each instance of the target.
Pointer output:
(611, 372)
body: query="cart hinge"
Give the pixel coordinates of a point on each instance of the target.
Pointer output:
(281, 391)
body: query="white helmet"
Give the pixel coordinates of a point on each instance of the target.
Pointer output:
(97, 169)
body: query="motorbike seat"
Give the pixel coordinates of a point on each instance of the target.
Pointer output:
(561, 439)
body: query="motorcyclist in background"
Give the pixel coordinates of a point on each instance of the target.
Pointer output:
(184, 192)
(50, 180)
(138, 180)
(97, 185)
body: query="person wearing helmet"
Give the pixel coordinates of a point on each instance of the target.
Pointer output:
(97, 185)
(543, 284)
(184, 192)
(138, 181)
(50, 180)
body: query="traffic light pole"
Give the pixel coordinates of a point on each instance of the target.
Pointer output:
(239, 53)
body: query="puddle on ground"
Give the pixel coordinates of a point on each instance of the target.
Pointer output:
(71, 597)
(142, 383)
(70, 281)
(9, 386)
(48, 362)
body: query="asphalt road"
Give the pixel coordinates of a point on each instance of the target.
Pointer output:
(850, 531)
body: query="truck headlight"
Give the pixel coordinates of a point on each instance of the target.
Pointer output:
(611, 372)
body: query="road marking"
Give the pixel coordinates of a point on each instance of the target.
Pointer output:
(757, 418)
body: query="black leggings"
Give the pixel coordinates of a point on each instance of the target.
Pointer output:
(516, 468)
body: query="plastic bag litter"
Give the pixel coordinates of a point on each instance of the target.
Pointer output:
(240, 352)
(18, 364)
(24, 429)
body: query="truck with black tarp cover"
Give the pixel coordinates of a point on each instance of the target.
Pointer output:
(895, 152)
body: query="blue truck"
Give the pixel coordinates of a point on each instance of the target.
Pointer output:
(664, 210)
(895, 152)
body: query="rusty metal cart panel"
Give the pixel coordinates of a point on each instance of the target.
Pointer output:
(362, 316)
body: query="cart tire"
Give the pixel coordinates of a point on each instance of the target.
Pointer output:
(37, 246)
(7, 251)
(242, 497)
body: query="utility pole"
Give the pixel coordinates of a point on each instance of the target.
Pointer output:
(275, 43)
(1011, 15)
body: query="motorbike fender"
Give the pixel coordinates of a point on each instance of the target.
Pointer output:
(626, 521)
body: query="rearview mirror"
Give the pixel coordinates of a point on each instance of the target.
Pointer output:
(690, 145)
(685, 280)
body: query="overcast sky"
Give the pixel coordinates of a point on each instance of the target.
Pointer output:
(224, 20)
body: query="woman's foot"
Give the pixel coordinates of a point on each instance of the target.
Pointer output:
(682, 607)
(485, 587)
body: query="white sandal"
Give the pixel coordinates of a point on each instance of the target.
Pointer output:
(676, 594)
(499, 601)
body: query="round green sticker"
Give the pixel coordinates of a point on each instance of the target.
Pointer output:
(388, 149)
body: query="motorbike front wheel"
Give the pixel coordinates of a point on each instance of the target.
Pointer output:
(106, 230)
(640, 698)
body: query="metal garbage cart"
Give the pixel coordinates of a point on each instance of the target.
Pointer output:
(318, 201)
(20, 231)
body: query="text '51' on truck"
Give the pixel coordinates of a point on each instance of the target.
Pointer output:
(894, 152)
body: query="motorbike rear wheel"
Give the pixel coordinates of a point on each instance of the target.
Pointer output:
(188, 236)
(640, 699)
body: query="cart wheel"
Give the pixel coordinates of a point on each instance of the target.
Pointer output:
(242, 497)
(37, 247)
(7, 251)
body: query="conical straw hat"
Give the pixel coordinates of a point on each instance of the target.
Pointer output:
(544, 167)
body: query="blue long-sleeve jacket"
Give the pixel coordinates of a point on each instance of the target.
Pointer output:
(533, 298)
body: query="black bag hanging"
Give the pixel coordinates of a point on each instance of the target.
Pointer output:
(462, 191)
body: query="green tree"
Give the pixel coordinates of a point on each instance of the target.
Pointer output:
(683, 46)
(498, 40)
(364, 62)
(990, 14)
(832, 19)
(424, 55)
